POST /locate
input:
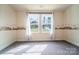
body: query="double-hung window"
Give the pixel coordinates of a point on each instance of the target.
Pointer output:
(40, 22)
(34, 22)
(46, 22)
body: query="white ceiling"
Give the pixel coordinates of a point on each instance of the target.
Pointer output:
(40, 7)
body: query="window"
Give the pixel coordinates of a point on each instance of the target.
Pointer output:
(34, 22)
(46, 22)
(40, 22)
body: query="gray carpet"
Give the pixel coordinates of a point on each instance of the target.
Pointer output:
(41, 48)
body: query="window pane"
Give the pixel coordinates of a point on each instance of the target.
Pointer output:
(46, 22)
(49, 19)
(34, 22)
(46, 27)
(34, 28)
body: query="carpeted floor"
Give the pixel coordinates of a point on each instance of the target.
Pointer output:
(41, 48)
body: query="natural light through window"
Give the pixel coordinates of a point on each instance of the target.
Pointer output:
(19, 48)
(37, 49)
(40, 22)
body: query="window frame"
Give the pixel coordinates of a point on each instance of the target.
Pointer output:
(37, 24)
(40, 22)
(45, 24)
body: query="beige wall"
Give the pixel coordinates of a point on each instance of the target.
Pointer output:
(58, 22)
(71, 15)
(21, 22)
(7, 18)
